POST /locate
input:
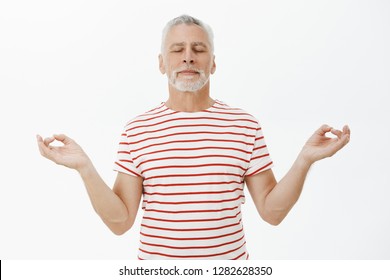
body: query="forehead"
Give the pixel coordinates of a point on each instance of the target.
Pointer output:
(187, 33)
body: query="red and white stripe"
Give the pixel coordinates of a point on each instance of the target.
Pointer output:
(193, 166)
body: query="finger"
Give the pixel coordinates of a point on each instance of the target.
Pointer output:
(48, 140)
(345, 138)
(43, 148)
(346, 130)
(346, 134)
(323, 129)
(337, 132)
(40, 142)
(62, 138)
(342, 141)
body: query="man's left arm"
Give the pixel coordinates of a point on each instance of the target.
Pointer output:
(274, 199)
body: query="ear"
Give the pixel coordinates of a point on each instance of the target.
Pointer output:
(214, 66)
(161, 64)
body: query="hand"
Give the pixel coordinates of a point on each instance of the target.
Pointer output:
(70, 154)
(320, 146)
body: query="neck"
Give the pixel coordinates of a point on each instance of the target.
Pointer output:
(189, 101)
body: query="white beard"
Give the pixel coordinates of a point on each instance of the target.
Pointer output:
(186, 85)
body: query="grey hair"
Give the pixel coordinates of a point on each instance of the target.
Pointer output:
(186, 19)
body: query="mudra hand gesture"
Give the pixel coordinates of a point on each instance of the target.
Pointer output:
(70, 154)
(320, 146)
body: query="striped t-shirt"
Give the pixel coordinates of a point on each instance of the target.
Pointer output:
(193, 166)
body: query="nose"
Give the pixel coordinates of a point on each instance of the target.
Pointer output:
(188, 57)
(188, 61)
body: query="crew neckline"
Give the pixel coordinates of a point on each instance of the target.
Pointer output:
(211, 108)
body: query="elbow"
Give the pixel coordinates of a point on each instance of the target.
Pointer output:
(274, 221)
(113, 217)
(119, 227)
(118, 232)
(273, 218)
(274, 215)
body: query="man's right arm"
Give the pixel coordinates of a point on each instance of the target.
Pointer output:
(117, 207)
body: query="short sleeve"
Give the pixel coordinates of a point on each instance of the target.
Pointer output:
(260, 158)
(124, 162)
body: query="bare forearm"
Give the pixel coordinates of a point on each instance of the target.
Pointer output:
(117, 207)
(274, 200)
(106, 203)
(286, 193)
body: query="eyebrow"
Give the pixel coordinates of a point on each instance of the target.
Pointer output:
(182, 44)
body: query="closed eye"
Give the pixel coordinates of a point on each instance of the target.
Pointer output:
(176, 50)
(199, 50)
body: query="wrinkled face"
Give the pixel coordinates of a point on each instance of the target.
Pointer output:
(187, 58)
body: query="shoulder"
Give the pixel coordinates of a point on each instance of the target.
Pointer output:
(155, 112)
(224, 108)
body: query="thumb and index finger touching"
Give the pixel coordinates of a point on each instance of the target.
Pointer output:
(343, 136)
(336, 143)
(346, 132)
(59, 137)
(44, 144)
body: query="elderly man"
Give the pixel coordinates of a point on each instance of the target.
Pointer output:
(189, 158)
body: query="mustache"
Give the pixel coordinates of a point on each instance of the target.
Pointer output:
(185, 68)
